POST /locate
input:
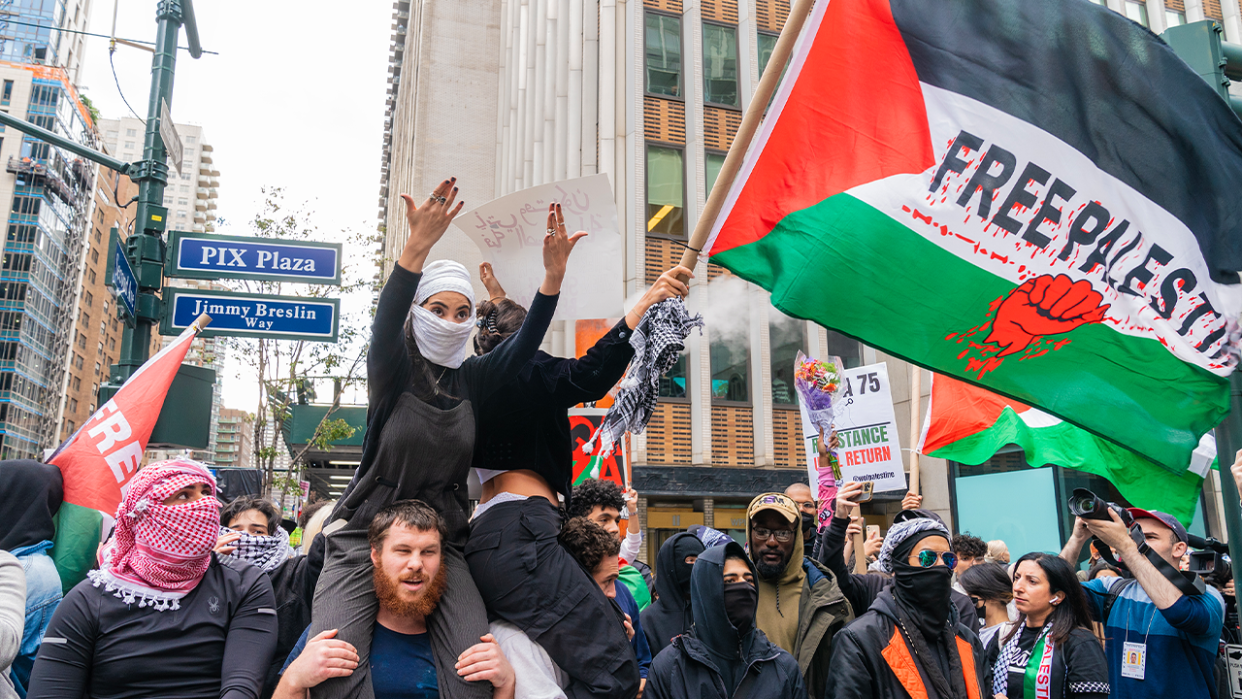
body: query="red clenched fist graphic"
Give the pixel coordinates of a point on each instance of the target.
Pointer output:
(1045, 305)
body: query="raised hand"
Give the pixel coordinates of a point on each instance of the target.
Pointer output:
(557, 245)
(1046, 305)
(912, 501)
(428, 222)
(669, 284)
(494, 290)
(846, 502)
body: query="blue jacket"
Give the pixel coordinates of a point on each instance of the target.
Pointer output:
(625, 600)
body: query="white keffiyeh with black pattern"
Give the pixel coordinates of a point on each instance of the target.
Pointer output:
(266, 552)
(657, 341)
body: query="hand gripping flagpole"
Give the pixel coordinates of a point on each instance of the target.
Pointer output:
(746, 131)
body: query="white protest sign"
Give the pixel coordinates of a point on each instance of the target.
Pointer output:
(1233, 658)
(867, 429)
(509, 232)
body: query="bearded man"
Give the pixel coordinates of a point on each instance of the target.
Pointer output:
(406, 539)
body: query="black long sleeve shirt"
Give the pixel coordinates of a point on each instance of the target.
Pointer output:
(525, 424)
(390, 372)
(218, 645)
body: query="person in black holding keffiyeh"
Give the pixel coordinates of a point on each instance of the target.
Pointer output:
(523, 455)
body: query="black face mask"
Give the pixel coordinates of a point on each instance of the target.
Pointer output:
(924, 593)
(741, 599)
(808, 525)
(982, 611)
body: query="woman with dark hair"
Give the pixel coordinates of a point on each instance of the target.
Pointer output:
(424, 401)
(524, 458)
(990, 588)
(1052, 638)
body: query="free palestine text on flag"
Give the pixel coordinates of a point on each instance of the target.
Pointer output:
(1037, 197)
(99, 460)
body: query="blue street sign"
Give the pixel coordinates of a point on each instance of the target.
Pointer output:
(251, 315)
(209, 256)
(124, 283)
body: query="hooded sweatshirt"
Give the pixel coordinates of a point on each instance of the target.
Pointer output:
(713, 659)
(30, 496)
(669, 615)
(778, 599)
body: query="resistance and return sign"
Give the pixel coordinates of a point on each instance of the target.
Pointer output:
(208, 256)
(867, 429)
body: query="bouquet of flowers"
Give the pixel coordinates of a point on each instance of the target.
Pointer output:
(817, 383)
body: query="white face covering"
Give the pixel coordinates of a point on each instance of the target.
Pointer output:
(440, 341)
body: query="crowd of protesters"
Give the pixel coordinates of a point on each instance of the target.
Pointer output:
(402, 589)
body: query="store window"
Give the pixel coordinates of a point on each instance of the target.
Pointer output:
(1137, 11)
(713, 161)
(673, 384)
(730, 350)
(786, 338)
(847, 348)
(766, 43)
(666, 191)
(720, 65)
(663, 55)
(1173, 18)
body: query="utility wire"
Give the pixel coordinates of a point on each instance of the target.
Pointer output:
(111, 52)
(101, 36)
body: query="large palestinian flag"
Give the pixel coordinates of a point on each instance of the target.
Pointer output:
(1038, 197)
(969, 425)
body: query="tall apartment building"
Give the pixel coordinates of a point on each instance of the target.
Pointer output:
(191, 194)
(652, 93)
(97, 330)
(234, 439)
(34, 33)
(48, 193)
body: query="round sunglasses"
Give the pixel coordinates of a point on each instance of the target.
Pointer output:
(927, 559)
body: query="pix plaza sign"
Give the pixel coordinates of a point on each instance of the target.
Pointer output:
(208, 256)
(252, 315)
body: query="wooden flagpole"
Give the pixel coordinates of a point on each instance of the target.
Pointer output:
(916, 410)
(746, 131)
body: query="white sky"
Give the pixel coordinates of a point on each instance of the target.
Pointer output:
(294, 99)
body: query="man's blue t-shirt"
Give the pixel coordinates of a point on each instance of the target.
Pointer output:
(402, 666)
(1181, 641)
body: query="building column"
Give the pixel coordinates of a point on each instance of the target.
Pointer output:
(1194, 10)
(1233, 20)
(761, 369)
(1155, 16)
(709, 513)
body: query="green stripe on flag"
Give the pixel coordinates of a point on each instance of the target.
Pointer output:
(852, 268)
(1142, 482)
(78, 532)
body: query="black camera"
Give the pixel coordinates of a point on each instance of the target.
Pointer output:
(1086, 504)
(1211, 561)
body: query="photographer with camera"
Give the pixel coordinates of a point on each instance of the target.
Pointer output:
(1163, 630)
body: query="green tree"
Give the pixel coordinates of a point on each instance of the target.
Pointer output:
(288, 370)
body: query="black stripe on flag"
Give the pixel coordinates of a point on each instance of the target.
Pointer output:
(1106, 86)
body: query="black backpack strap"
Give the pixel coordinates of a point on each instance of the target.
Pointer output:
(1113, 594)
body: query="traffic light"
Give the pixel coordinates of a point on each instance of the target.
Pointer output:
(1217, 61)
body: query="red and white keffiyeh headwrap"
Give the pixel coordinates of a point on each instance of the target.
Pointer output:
(160, 552)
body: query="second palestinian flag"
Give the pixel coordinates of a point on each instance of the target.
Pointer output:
(1038, 197)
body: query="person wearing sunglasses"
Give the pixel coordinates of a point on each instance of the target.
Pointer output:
(910, 643)
(801, 608)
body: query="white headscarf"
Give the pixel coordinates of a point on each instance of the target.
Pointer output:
(441, 341)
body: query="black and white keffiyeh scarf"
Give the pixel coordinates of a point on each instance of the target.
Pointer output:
(1012, 656)
(266, 552)
(657, 341)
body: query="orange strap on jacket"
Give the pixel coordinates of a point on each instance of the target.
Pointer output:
(901, 662)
